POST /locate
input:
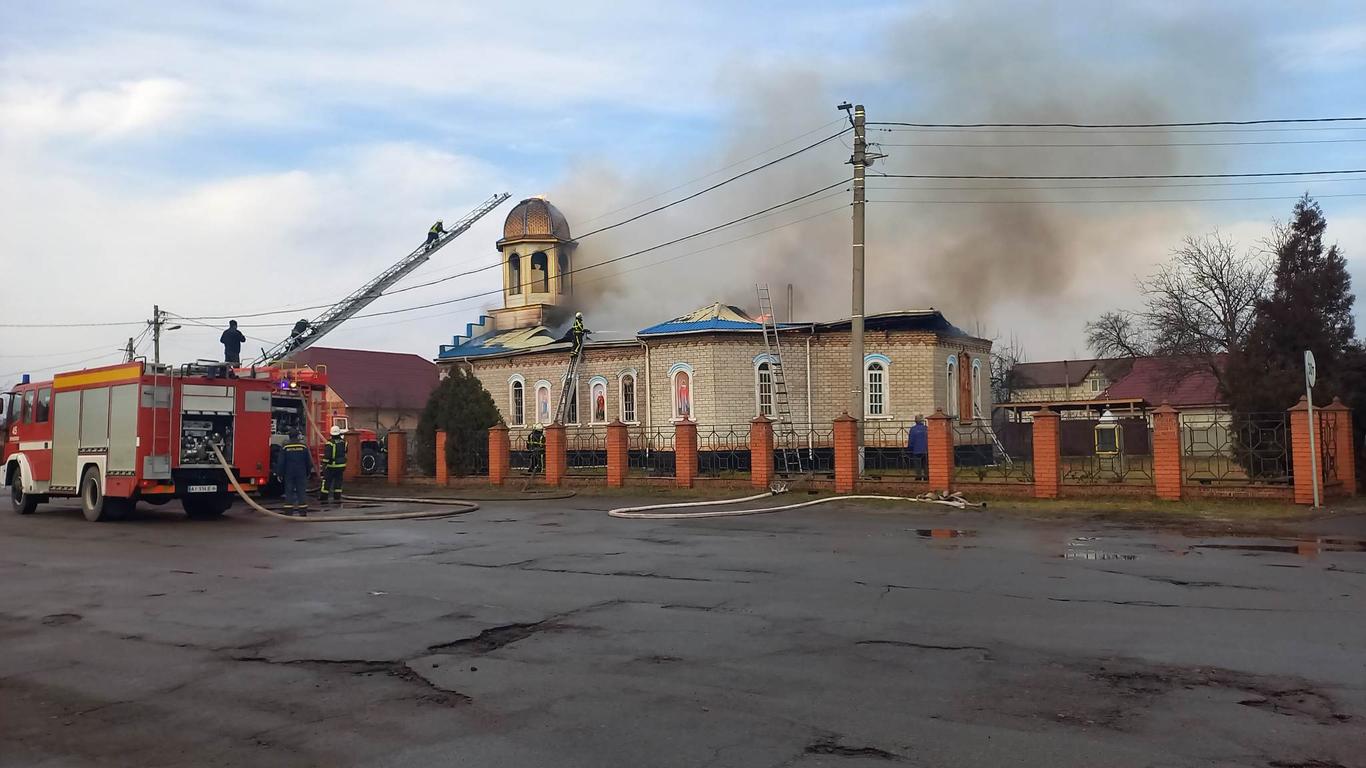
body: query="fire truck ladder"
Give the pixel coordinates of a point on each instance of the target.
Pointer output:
(349, 306)
(157, 398)
(784, 434)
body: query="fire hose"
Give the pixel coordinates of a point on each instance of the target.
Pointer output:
(646, 512)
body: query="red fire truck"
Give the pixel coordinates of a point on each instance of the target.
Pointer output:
(120, 434)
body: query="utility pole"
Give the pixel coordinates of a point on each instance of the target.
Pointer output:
(156, 323)
(128, 351)
(859, 161)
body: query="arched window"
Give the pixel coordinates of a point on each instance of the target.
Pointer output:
(571, 406)
(543, 414)
(540, 272)
(763, 386)
(562, 273)
(680, 382)
(951, 380)
(976, 389)
(875, 389)
(517, 401)
(627, 385)
(597, 395)
(514, 274)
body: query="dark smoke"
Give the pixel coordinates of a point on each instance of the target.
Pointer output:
(959, 62)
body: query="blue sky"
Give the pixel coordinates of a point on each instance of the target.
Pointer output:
(234, 157)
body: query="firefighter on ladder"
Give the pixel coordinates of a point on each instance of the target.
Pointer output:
(334, 466)
(434, 234)
(578, 333)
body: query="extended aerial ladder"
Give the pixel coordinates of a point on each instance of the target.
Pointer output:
(569, 387)
(351, 305)
(784, 433)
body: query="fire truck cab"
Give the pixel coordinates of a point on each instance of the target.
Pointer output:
(120, 434)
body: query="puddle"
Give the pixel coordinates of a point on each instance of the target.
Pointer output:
(1307, 548)
(941, 533)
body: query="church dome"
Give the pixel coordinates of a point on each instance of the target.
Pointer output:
(535, 219)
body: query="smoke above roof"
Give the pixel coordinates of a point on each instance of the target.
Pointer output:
(984, 252)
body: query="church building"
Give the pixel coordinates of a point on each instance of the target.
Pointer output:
(708, 364)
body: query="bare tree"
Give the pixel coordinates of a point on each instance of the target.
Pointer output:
(1003, 362)
(1117, 334)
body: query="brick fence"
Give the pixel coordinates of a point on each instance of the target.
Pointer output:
(1265, 458)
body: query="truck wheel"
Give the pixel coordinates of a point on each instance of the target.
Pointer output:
(206, 507)
(95, 505)
(23, 503)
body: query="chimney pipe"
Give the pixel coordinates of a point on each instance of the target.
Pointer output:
(789, 302)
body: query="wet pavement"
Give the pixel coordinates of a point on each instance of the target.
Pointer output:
(548, 634)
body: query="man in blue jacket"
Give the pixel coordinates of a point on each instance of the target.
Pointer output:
(918, 446)
(293, 465)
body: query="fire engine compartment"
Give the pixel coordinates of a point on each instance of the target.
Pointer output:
(198, 431)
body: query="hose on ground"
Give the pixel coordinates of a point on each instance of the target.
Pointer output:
(647, 512)
(454, 506)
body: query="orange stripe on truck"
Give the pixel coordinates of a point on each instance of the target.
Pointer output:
(112, 375)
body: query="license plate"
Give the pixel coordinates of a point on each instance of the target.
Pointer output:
(203, 489)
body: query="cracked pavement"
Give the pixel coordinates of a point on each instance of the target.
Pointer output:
(548, 634)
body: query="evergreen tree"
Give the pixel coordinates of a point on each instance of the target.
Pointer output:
(1310, 307)
(464, 409)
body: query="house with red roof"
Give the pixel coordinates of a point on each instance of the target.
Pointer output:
(1087, 388)
(372, 390)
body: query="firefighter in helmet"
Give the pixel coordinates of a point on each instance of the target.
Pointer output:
(438, 229)
(535, 445)
(293, 465)
(334, 466)
(578, 333)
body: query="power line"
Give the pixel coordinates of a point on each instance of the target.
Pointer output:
(60, 366)
(1140, 201)
(633, 254)
(45, 355)
(1136, 131)
(71, 325)
(1124, 186)
(690, 182)
(1116, 145)
(715, 186)
(1020, 177)
(1202, 123)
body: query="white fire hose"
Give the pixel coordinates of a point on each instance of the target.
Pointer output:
(646, 512)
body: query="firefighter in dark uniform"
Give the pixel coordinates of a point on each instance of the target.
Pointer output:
(293, 465)
(578, 332)
(334, 466)
(438, 229)
(535, 445)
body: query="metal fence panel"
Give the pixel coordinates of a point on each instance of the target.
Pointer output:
(1236, 448)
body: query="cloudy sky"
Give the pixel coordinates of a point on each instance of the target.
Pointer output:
(242, 157)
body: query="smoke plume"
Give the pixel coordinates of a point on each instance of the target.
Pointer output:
(986, 252)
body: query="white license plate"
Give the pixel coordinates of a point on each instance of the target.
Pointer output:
(203, 489)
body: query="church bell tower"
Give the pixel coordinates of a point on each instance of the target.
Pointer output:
(537, 254)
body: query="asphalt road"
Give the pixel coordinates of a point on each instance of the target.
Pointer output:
(547, 634)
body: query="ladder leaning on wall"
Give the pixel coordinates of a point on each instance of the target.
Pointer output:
(784, 433)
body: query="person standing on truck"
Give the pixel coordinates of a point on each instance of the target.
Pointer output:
(232, 341)
(293, 465)
(334, 466)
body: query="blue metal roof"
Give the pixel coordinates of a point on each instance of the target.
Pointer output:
(715, 324)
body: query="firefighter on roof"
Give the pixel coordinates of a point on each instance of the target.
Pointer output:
(334, 466)
(293, 465)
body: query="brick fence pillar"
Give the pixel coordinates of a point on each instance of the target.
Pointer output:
(1299, 452)
(1047, 454)
(618, 454)
(443, 470)
(397, 441)
(556, 454)
(761, 451)
(352, 470)
(846, 453)
(685, 453)
(940, 438)
(500, 454)
(1168, 478)
(1344, 445)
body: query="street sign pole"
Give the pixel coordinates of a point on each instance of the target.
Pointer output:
(1310, 375)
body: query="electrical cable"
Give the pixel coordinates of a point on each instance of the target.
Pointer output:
(1070, 177)
(1037, 187)
(1114, 145)
(1277, 121)
(70, 325)
(1141, 201)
